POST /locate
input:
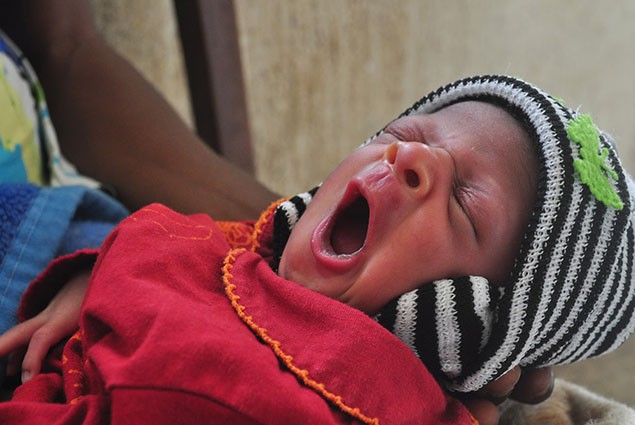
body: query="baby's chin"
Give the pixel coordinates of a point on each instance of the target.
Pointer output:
(326, 287)
(290, 273)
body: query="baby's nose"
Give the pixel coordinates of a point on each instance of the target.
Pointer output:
(412, 163)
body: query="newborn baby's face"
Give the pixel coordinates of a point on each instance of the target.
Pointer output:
(435, 196)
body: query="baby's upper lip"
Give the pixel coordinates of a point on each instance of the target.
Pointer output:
(367, 197)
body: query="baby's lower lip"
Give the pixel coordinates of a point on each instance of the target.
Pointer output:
(324, 253)
(340, 238)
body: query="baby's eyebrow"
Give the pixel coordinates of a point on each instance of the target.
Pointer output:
(483, 205)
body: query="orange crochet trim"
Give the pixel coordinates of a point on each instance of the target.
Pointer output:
(238, 234)
(265, 217)
(302, 374)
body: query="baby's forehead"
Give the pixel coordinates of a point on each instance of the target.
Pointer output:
(484, 115)
(478, 110)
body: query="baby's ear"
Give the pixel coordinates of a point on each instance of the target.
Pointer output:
(446, 323)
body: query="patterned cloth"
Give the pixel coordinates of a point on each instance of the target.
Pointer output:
(29, 150)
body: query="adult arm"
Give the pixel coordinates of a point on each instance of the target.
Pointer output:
(115, 127)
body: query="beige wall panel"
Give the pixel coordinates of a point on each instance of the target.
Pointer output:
(322, 75)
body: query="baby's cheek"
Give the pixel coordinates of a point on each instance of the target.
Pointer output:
(290, 267)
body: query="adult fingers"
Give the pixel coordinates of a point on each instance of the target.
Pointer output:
(534, 386)
(498, 390)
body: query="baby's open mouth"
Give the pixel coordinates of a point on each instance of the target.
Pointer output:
(350, 226)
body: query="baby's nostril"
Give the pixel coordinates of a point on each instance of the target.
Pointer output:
(391, 153)
(412, 178)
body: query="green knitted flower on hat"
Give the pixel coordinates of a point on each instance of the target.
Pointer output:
(592, 165)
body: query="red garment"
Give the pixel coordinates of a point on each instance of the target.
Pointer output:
(179, 327)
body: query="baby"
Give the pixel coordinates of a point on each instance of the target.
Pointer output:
(524, 205)
(487, 227)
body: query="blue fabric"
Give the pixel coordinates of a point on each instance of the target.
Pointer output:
(15, 201)
(42, 224)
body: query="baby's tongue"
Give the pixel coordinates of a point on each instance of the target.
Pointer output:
(350, 228)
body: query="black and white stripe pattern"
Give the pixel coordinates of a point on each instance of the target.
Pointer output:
(571, 295)
(457, 309)
(286, 216)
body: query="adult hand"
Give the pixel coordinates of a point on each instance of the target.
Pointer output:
(40, 333)
(529, 386)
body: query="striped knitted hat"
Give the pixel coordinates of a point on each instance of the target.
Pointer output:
(572, 292)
